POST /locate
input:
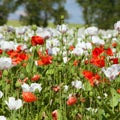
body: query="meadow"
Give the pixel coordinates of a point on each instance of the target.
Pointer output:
(59, 73)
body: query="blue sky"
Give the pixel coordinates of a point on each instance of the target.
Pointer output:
(74, 10)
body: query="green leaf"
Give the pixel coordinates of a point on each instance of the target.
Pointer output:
(114, 99)
(50, 71)
(87, 86)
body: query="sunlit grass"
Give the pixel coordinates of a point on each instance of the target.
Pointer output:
(17, 23)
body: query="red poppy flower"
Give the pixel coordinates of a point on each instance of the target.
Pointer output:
(1, 51)
(114, 60)
(54, 115)
(45, 60)
(23, 56)
(87, 74)
(71, 101)
(99, 62)
(76, 62)
(92, 78)
(71, 48)
(97, 51)
(56, 88)
(118, 91)
(0, 73)
(37, 40)
(29, 97)
(109, 51)
(19, 49)
(114, 44)
(36, 77)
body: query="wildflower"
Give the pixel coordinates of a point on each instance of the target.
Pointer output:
(37, 40)
(2, 117)
(71, 101)
(1, 94)
(117, 26)
(114, 44)
(77, 84)
(45, 60)
(7, 45)
(55, 115)
(62, 28)
(91, 31)
(32, 87)
(97, 51)
(5, 63)
(91, 77)
(35, 86)
(36, 77)
(66, 87)
(71, 48)
(118, 91)
(56, 88)
(76, 62)
(112, 72)
(14, 104)
(98, 61)
(114, 60)
(1, 51)
(97, 40)
(109, 51)
(29, 97)
(93, 110)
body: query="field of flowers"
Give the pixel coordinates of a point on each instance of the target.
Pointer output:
(59, 73)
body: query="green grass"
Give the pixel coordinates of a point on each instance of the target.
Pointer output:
(17, 23)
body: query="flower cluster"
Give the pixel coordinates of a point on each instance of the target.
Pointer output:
(59, 73)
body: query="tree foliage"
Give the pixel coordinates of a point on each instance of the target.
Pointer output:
(6, 7)
(103, 13)
(39, 12)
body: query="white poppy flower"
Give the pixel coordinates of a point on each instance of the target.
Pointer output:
(31, 88)
(66, 87)
(35, 86)
(112, 72)
(14, 104)
(65, 59)
(117, 26)
(91, 31)
(1, 36)
(44, 33)
(78, 51)
(5, 63)
(1, 94)
(97, 40)
(77, 84)
(7, 45)
(2, 117)
(93, 110)
(25, 87)
(62, 28)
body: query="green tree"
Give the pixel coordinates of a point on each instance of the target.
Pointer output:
(39, 12)
(6, 7)
(102, 13)
(3, 15)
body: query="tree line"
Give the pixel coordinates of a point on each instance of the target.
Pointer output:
(101, 13)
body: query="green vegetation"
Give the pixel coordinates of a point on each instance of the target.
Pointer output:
(15, 23)
(102, 13)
